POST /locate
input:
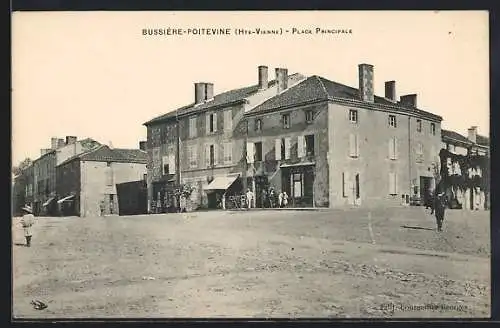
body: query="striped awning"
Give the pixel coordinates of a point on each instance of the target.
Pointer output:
(67, 198)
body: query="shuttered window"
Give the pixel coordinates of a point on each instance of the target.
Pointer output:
(192, 156)
(345, 184)
(277, 149)
(228, 120)
(165, 165)
(301, 147)
(171, 164)
(353, 145)
(192, 127)
(393, 148)
(288, 145)
(228, 153)
(250, 152)
(393, 190)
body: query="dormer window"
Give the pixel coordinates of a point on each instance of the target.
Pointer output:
(286, 121)
(258, 124)
(309, 116)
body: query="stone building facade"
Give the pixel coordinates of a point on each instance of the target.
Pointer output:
(324, 143)
(87, 182)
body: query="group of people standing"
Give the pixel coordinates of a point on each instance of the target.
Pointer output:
(269, 198)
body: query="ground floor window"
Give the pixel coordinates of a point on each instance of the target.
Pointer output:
(297, 179)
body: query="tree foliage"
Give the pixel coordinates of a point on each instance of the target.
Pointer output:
(23, 165)
(465, 162)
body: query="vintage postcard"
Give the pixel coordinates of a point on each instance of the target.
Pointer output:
(298, 164)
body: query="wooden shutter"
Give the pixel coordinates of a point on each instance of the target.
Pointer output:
(216, 153)
(215, 121)
(207, 123)
(288, 145)
(395, 141)
(345, 184)
(277, 149)
(250, 152)
(356, 143)
(392, 183)
(207, 155)
(352, 145)
(171, 164)
(301, 152)
(228, 120)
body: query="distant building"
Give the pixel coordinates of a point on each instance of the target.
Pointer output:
(324, 143)
(22, 190)
(45, 195)
(459, 147)
(87, 182)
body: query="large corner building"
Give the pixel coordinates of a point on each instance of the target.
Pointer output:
(324, 143)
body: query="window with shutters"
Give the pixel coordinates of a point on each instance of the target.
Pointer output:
(109, 176)
(192, 127)
(287, 147)
(211, 155)
(258, 124)
(278, 151)
(165, 165)
(420, 152)
(356, 186)
(392, 121)
(309, 116)
(309, 145)
(192, 156)
(419, 125)
(258, 151)
(345, 181)
(353, 115)
(250, 152)
(433, 129)
(211, 122)
(393, 190)
(353, 146)
(228, 153)
(228, 120)
(393, 148)
(286, 121)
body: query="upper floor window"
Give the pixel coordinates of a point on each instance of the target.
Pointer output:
(192, 127)
(353, 115)
(258, 124)
(419, 125)
(420, 148)
(211, 122)
(258, 151)
(392, 121)
(228, 153)
(393, 148)
(286, 121)
(309, 116)
(192, 156)
(305, 146)
(228, 120)
(353, 145)
(211, 155)
(433, 129)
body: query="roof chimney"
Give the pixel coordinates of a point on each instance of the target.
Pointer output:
(390, 90)
(263, 77)
(409, 100)
(281, 78)
(366, 92)
(60, 143)
(203, 91)
(44, 151)
(53, 143)
(142, 145)
(472, 134)
(70, 140)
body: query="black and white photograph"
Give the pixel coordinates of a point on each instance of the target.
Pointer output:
(251, 164)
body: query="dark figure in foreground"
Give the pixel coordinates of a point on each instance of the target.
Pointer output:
(27, 221)
(439, 208)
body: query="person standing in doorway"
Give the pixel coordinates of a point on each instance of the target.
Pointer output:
(27, 221)
(249, 198)
(285, 199)
(280, 199)
(272, 196)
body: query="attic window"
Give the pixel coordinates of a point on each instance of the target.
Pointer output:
(286, 121)
(258, 124)
(309, 116)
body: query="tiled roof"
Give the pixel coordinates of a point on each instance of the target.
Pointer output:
(482, 140)
(106, 154)
(317, 88)
(221, 99)
(447, 134)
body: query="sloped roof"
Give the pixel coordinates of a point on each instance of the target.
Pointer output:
(317, 88)
(447, 134)
(482, 140)
(221, 99)
(106, 154)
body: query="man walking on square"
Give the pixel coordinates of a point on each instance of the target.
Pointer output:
(439, 209)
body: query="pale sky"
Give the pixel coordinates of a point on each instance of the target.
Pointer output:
(93, 74)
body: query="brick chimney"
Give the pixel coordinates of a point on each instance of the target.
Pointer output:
(472, 134)
(263, 77)
(282, 78)
(409, 100)
(44, 151)
(60, 143)
(366, 92)
(142, 145)
(53, 143)
(203, 91)
(390, 90)
(70, 140)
